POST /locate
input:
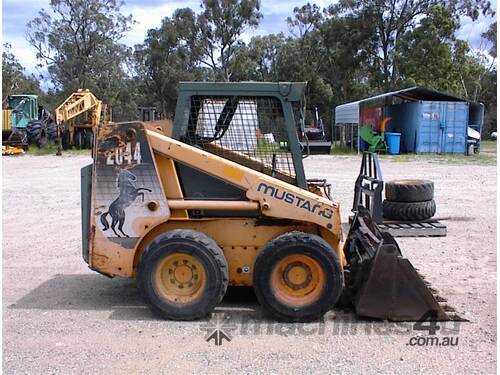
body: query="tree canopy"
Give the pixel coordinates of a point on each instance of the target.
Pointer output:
(80, 45)
(14, 78)
(345, 51)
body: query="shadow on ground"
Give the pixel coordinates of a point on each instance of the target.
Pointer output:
(239, 312)
(119, 295)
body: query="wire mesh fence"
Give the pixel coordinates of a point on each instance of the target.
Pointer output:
(248, 130)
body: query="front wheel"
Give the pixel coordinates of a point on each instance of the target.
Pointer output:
(183, 275)
(297, 277)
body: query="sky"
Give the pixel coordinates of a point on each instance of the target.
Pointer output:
(148, 14)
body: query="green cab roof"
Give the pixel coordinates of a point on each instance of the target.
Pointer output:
(292, 91)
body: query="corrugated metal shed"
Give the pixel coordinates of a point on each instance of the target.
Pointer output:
(349, 113)
(448, 133)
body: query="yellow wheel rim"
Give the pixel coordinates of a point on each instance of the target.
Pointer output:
(180, 278)
(297, 280)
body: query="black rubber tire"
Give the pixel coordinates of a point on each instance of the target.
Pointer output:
(33, 129)
(206, 251)
(409, 190)
(79, 141)
(37, 133)
(52, 131)
(297, 243)
(409, 211)
(65, 139)
(88, 138)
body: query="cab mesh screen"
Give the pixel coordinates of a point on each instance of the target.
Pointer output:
(248, 130)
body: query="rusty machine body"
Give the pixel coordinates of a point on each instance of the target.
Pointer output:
(221, 198)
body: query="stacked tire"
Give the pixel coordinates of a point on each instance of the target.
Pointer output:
(409, 200)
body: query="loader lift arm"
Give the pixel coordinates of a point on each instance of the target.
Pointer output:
(77, 103)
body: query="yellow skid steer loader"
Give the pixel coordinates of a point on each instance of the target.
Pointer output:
(220, 198)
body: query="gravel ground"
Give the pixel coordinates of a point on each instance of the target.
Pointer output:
(60, 317)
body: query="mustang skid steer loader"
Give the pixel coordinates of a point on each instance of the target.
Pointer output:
(221, 199)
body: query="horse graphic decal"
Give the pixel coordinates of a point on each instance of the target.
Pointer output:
(128, 194)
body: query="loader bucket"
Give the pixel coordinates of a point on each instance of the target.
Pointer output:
(381, 283)
(316, 147)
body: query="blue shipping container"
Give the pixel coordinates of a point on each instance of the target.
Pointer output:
(430, 127)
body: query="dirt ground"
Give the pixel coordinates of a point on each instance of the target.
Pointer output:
(60, 317)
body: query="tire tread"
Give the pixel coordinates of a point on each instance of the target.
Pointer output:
(409, 211)
(418, 191)
(201, 239)
(265, 257)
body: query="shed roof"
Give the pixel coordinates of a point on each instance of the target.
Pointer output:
(349, 112)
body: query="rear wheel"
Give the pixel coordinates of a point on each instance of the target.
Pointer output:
(66, 139)
(297, 277)
(88, 138)
(183, 275)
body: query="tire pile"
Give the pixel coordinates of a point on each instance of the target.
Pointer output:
(409, 200)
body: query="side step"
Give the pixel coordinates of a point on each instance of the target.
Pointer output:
(423, 229)
(428, 228)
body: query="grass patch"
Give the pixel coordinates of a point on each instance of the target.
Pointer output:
(487, 156)
(489, 147)
(51, 149)
(342, 150)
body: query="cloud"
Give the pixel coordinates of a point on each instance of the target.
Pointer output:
(15, 16)
(286, 7)
(149, 15)
(160, 3)
(471, 31)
